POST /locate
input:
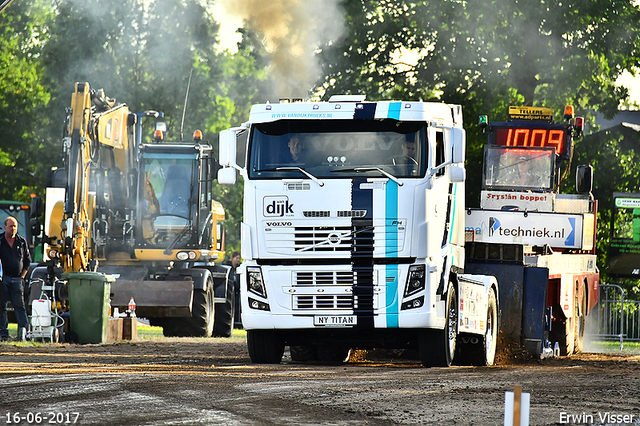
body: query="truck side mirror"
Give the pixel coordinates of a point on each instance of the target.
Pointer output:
(456, 174)
(227, 148)
(584, 179)
(227, 176)
(458, 145)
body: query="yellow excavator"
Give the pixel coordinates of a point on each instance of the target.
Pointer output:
(141, 212)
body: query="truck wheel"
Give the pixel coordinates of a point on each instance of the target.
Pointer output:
(200, 324)
(223, 324)
(333, 354)
(580, 319)
(437, 347)
(490, 339)
(265, 346)
(563, 332)
(303, 353)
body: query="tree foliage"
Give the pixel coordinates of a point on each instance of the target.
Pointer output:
(486, 55)
(489, 54)
(22, 98)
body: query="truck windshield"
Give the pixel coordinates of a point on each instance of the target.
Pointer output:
(519, 169)
(324, 147)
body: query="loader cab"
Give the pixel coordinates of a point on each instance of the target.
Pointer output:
(175, 196)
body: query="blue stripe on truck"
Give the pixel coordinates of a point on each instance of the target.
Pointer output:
(394, 110)
(391, 250)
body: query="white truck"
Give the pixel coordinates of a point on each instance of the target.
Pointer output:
(354, 230)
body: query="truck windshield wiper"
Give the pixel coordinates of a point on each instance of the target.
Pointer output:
(301, 170)
(369, 169)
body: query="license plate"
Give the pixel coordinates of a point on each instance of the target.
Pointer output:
(335, 320)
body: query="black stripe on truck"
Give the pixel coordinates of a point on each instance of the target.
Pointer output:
(362, 254)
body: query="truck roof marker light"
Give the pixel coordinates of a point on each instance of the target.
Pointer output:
(359, 106)
(316, 106)
(338, 106)
(268, 107)
(569, 113)
(407, 106)
(157, 135)
(197, 136)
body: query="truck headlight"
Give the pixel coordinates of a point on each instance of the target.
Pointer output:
(415, 280)
(255, 284)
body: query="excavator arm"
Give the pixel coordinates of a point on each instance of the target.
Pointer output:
(4, 4)
(95, 122)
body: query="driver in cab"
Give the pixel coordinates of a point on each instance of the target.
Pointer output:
(297, 149)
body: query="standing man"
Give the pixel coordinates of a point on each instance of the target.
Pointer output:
(15, 258)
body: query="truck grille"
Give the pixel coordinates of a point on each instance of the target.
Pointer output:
(325, 301)
(322, 238)
(323, 278)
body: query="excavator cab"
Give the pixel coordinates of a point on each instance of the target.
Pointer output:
(175, 196)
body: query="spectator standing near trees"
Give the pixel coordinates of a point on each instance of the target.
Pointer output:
(15, 258)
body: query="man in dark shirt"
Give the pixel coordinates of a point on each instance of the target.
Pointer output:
(15, 258)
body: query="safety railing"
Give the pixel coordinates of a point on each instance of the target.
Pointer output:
(615, 318)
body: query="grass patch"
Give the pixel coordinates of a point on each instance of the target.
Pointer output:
(148, 332)
(145, 332)
(613, 346)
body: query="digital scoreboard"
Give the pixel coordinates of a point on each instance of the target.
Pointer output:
(531, 135)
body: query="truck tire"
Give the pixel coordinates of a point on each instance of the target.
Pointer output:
(563, 332)
(200, 324)
(437, 347)
(329, 354)
(224, 316)
(580, 320)
(477, 350)
(303, 353)
(265, 346)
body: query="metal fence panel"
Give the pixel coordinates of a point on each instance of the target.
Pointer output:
(615, 318)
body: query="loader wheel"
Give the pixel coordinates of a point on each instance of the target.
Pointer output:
(265, 346)
(437, 347)
(223, 324)
(200, 324)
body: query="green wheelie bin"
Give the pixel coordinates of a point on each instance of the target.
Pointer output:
(89, 305)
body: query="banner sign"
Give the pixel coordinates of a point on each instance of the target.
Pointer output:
(624, 243)
(527, 228)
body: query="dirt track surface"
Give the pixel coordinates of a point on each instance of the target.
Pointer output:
(211, 381)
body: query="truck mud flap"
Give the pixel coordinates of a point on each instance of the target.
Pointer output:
(154, 298)
(510, 289)
(522, 304)
(534, 309)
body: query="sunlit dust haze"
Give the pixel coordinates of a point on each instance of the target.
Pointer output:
(293, 31)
